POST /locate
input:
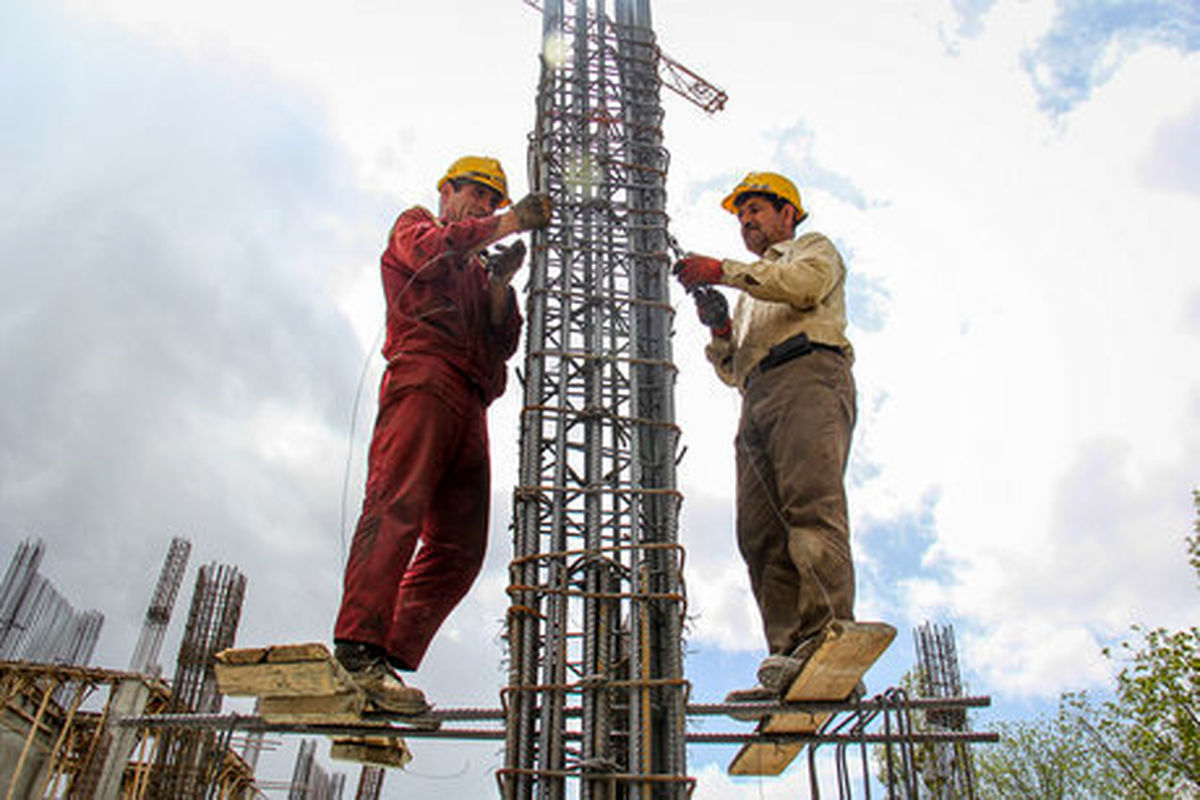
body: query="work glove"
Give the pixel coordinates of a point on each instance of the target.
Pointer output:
(695, 270)
(533, 211)
(506, 260)
(713, 310)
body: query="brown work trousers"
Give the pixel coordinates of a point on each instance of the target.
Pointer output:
(793, 532)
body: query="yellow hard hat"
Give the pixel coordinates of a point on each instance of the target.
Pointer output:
(771, 183)
(479, 169)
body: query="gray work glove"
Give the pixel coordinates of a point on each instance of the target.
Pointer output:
(713, 309)
(533, 211)
(506, 260)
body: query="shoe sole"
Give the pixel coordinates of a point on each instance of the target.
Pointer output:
(399, 708)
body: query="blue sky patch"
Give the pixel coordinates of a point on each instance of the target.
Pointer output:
(866, 301)
(1074, 57)
(898, 546)
(793, 157)
(970, 14)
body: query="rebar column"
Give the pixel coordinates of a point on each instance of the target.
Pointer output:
(158, 613)
(938, 678)
(182, 768)
(597, 598)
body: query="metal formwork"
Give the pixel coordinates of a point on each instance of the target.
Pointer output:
(597, 597)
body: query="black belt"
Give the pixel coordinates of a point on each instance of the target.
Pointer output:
(789, 349)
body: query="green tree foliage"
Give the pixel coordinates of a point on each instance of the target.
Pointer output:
(1152, 724)
(1050, 758)
(1142, 743)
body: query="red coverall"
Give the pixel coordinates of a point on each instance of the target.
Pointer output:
(428, 469)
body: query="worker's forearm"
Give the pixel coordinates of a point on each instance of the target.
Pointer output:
(508, 224)
(500, 303)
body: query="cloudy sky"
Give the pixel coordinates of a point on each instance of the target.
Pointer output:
(195, 195)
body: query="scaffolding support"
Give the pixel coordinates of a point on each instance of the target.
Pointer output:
(60, 741)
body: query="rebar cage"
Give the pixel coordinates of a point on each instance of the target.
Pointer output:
(597, 598)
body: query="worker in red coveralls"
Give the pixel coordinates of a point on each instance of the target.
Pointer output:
(452, 323)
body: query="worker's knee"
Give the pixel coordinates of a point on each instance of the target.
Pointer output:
(824, 550)
(463, 560)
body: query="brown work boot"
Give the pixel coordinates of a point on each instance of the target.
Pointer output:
(369, 670)
(778, 671)
(755, 694)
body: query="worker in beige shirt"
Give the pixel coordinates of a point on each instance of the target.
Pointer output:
(786, 351)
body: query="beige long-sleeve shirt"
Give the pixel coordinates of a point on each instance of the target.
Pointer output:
(797, 287)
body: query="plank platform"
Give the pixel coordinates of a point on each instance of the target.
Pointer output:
(281, 671)
(847, 651)
(379, 751)
(303, 684)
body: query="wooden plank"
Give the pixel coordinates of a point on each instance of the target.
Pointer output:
(283, 678)
(329, 709)
(765, 758)
(847, 651)
(310, 651)
(380, 751)
(244, 655)
(801, 722)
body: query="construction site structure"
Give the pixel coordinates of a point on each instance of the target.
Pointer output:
(65, 729)
(36, 622)
(114, 746)
(187, 761)
(596, 704)
(674, 75)
(53, 740)
(56, 743)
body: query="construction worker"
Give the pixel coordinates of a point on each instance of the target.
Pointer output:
(785, 350)
(452, 323)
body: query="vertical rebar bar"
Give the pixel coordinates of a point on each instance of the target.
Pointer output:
(13, 592)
